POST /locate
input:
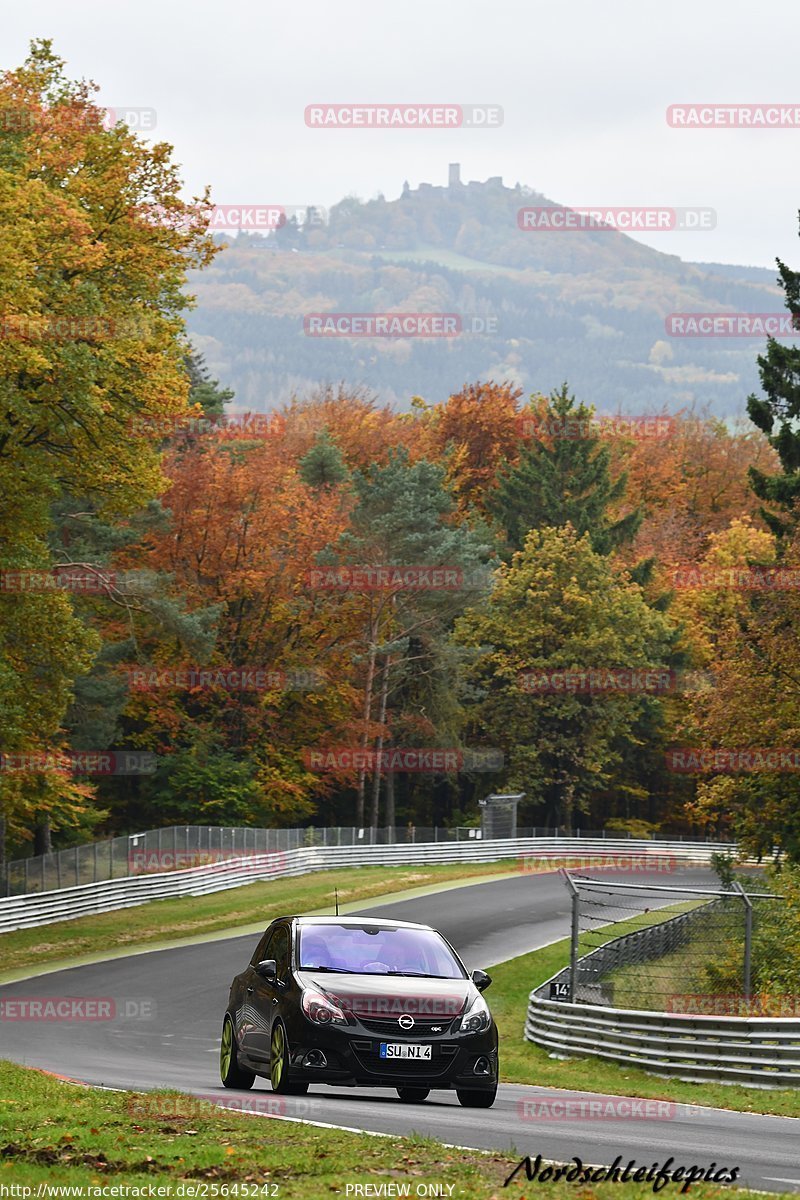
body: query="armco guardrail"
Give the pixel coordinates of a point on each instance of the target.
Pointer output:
(20, 912)
(755, 1051)
(759, 1051)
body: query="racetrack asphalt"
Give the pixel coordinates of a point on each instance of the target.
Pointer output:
(169, 1005)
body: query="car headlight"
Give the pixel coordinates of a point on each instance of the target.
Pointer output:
(321, 1010)
(477, 1018)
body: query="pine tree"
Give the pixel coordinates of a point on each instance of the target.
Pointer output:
(777, 415)
(563, 477)
(204, 390)
(323, 466)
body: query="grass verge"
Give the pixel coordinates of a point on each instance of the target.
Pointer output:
(252, 906)
(57, 1134)
(522, 1062)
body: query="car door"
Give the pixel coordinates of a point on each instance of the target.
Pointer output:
(280, 950)
(260, 1000)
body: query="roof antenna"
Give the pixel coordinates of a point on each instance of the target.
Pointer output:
(336, 894)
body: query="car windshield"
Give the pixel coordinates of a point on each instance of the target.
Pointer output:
(375, 950)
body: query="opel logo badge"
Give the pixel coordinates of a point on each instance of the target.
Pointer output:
(406, 1021)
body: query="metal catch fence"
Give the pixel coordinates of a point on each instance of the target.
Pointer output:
(675, 949)
(183, 846)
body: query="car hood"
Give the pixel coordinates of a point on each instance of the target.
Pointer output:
(376, 996)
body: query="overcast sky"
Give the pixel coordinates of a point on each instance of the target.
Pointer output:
(584, 87)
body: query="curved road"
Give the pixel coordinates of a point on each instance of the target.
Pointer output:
(169, 1003)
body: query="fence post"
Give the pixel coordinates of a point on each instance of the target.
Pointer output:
(573, 948)
(748, 939)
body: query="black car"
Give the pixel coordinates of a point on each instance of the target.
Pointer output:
(359, 1002)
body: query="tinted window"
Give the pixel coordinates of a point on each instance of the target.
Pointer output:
(279, 950)
(259, 953)
(371, 950)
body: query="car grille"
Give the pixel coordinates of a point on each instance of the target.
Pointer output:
(422, 1027)
(369, 1055)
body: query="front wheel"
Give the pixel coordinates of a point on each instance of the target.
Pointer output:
(231, 1074)
(413, 1095)
(279, 1065)
(472, 1099)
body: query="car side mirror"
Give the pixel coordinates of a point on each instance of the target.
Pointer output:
(268, 969)
(481, 980)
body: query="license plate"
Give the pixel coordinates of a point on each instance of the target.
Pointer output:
(404, 1050)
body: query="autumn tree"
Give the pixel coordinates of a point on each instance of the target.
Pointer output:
(744, 621)
(688, 474)
(560, 606)
(95, 244)
(243, 534)
(476, 431)
(403, 516)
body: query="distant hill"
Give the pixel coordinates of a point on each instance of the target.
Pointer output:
(585, 306)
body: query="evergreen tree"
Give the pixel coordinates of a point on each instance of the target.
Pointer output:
(563, 477)
(777, 415)
(323, 466)
(204, 390)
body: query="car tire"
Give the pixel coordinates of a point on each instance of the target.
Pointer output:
(231, 1074)
(279, 1065)
(472, 1099)
(413, 1095)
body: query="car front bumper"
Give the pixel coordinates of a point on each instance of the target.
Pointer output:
(353, 1058)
